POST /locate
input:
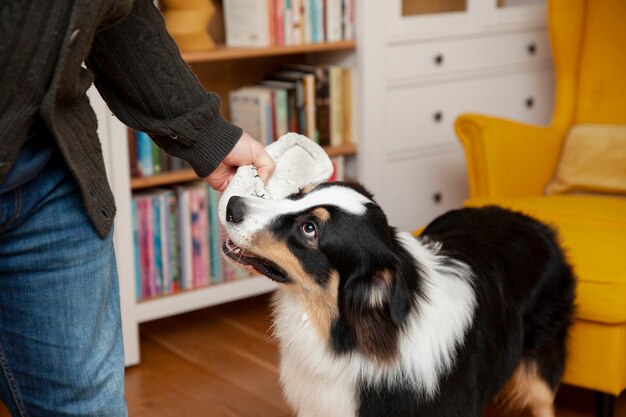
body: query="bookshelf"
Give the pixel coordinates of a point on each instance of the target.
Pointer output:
(225, 53)
(182, 302)
(220, 70)
(187, 175)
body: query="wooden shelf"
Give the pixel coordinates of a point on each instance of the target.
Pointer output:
(168, 305)
(186, 175)
(167, 178)
(345, 150)
(225, 53)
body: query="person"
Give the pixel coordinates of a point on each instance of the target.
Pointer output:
(61, 347)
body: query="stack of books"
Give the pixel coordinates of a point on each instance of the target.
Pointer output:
(264, 23)
(146, 158)
(177, 241)
(312, 100)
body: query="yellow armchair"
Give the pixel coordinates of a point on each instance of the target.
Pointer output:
(510, 164)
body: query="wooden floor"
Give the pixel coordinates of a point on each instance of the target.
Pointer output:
(222, 362)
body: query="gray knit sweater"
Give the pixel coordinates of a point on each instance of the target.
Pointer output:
(136, 67)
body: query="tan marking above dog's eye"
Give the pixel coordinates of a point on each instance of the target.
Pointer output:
(322, 214)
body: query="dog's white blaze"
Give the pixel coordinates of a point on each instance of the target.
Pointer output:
(260, 212)
(321, 383)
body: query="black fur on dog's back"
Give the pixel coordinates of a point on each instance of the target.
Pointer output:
(525, 293)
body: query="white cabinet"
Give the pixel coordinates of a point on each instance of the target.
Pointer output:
(421, 69)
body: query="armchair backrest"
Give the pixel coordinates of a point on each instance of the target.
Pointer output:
(588, 40)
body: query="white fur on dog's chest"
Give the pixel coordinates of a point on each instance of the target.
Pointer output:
(315, 381)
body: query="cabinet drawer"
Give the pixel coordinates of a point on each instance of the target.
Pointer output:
(424, 115)
(410, 60)
(420, 189)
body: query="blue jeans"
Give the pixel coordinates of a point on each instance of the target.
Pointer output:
(61, 351)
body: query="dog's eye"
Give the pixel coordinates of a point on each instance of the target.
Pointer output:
(309, 229)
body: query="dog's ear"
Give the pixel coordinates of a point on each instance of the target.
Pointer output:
(400, 298)
(388, 289)
(374, 305)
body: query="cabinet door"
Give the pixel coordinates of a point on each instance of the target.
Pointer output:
(508, 13)
(421, 188)
(425, 18)
(423, 116)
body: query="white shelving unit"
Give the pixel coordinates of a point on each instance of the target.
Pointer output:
(425, 62)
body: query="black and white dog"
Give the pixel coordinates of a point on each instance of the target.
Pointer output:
(373, 322)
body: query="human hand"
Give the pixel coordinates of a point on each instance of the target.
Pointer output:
(247, 151)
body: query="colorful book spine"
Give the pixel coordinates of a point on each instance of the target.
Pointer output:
(333, 20)
(336, 105)
(144, 154)
(173, 252)
(166, 274)
(205, 259)
(157, 277)
(195, 237)
(215, 244)
(137, 263)
(186, 251)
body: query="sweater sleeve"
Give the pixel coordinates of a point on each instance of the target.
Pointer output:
(140, 74)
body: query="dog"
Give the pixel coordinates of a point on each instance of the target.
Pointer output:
(373, 322)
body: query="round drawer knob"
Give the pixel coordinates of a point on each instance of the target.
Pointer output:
(437, 197)
(530, 102)
(531, 48)
(437, 116)
(438, 59)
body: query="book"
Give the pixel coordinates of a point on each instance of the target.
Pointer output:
(251, 109)
(173, 248)
(156, 158)
(317, 21)
(348, 19)
(288, 23)
(336, 105)
(346, 90)
(296, 22)
(316, 97)
(156, 283)
(215, 244)
(132, 156)
(292, 111)
(247, 23)
(281, 111)
(166, 274)
(143, 236)
(144, 154)
(333, 20)
(137, 263)
(204, 277)
(298, 79)
(307, 21)
(186, 251)
(279, 25)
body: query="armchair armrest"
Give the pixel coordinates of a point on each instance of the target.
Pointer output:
(507, 158)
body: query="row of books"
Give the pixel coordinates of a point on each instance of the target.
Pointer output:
(177, 241)
(312, 100)
(146, 158)
(263, 23)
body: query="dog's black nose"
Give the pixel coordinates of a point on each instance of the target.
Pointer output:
(235, 210)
